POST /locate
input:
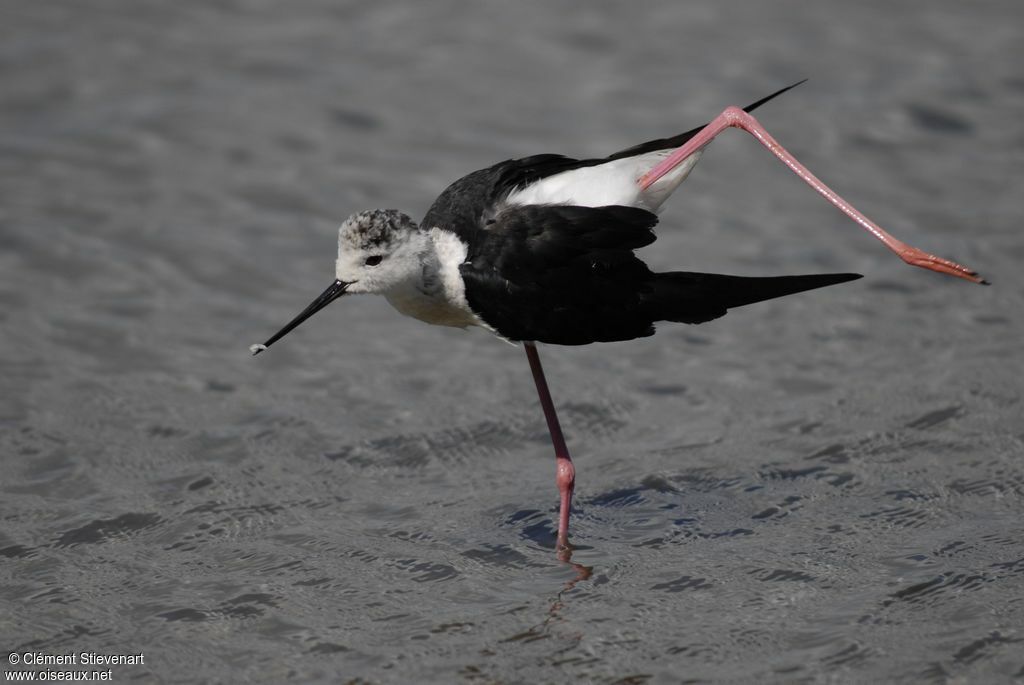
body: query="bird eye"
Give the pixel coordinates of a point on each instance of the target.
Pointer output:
(374, 260)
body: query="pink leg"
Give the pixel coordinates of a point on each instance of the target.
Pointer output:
(565, 473)
(734, 116)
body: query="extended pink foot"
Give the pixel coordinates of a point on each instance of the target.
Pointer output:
(915, 257)
(736, 117)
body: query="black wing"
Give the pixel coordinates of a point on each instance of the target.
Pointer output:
(561, 274)
(465, 205)
(567, 275)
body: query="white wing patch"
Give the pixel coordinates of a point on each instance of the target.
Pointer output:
(612, 183)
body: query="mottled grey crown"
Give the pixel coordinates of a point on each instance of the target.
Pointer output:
(376, 228)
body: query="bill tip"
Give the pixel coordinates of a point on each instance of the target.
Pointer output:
(257, 348)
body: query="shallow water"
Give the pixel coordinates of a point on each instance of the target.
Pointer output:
(825, 488)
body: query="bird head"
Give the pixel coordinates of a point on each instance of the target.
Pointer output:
(378, 250)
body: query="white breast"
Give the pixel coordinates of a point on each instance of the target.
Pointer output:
(612, 183)
(439, 297)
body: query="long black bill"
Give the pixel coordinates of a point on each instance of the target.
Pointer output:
(336, 290)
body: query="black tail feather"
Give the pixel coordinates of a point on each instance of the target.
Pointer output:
(695, 297)
(754, 105)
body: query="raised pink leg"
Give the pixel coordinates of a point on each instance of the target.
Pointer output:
(565, 474)
(736, 117)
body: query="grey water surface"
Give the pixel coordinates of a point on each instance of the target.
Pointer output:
(827, 488)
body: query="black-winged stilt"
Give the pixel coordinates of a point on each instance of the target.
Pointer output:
(540, 249)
